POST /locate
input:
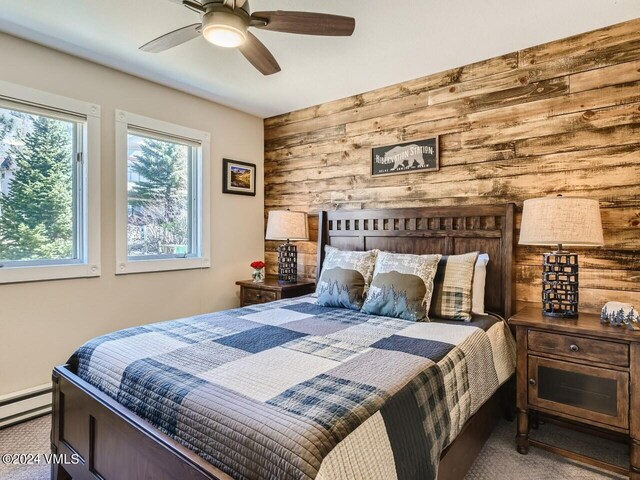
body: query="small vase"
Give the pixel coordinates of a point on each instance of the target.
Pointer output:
(258, 275)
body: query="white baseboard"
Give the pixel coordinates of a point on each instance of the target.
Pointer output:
(20, 406)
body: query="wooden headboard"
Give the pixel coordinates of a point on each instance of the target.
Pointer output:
(422, 230)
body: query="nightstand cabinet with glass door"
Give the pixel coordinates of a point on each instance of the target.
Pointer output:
(582, 371)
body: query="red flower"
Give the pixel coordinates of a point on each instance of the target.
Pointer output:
(257, 264)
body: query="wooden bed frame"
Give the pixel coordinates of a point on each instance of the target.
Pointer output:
(115, 444)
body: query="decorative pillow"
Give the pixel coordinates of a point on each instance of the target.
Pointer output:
(479, 281)
(345, 277)
(402, 286)
(452, 287)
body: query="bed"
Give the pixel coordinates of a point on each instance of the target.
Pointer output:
(294, 390)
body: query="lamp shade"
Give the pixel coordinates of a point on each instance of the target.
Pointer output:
(561, 221)
(286, 225)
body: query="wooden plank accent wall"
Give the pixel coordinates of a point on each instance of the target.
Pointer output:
(563, 117)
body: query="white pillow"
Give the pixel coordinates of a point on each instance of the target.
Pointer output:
(479, 280)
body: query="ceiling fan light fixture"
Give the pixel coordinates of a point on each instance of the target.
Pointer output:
(224, 29)
(226, 23)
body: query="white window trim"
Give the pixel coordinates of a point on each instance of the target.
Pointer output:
(90, 265)
(125, 265)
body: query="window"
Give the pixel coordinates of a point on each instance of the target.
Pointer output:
(162, 200)
(49, 212)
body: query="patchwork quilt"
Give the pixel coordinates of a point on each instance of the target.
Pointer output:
(294, 390)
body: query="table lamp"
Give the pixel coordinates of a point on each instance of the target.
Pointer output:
(286, 225)
(561, 221)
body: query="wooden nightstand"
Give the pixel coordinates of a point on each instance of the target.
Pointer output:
(252, 293)
(582, 371)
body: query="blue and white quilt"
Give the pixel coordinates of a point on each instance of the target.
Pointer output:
(294, 390)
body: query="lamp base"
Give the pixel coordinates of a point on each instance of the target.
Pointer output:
(560, 284)
(287, 263)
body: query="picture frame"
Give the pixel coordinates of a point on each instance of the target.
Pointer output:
(238, 178)
(408, 157)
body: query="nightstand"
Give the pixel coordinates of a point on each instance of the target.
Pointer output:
(581, 371)
(270, 290)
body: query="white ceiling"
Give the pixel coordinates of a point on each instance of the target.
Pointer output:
(394, 40)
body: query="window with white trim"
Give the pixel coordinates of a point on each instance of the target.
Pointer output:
(49, 186)
(162, 199)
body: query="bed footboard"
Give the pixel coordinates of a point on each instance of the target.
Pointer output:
(93, 437)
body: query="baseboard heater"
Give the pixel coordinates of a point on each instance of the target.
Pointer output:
(25, 405)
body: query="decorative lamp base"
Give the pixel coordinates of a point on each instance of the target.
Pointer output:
(560, 284)
(287, 263)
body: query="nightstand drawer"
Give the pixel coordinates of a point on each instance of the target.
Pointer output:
(598, 351)
(578, 391)
(255, 295)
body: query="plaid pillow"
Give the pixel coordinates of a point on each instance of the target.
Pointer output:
(452, 287)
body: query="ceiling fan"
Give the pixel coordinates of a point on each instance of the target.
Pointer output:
(226, 23)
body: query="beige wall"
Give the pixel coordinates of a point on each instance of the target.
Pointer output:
(42, 323)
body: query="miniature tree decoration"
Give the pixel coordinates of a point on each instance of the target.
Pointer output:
(618, 318)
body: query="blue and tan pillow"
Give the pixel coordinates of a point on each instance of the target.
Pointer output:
(402, 286)
(345, 278)
(452, 287)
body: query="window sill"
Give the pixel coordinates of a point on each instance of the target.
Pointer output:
(48, 272)
(148, 266)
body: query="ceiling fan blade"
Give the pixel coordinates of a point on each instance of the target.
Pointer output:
(194, 6)
(258, 55)
(190, 4)
(305, 23)
(172, 39)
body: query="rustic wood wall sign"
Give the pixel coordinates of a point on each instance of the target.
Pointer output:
(418, 156)
(563, 117)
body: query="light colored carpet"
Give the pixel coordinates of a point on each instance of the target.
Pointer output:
(28, 438)
(497, 461)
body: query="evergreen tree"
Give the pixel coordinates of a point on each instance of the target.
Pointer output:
(6, 125)
(36, 219)
(161, 193)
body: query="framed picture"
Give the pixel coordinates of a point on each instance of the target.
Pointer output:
(238, 178)
(418, 156)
